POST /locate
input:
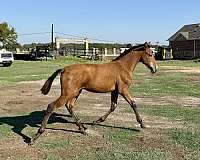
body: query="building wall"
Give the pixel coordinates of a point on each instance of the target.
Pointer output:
(185, 49)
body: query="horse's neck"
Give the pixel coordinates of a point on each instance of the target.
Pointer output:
(130, 60)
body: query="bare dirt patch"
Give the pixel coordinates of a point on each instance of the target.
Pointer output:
(14, 148)
(181, 69)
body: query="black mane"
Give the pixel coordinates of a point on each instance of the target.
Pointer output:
(135, 48)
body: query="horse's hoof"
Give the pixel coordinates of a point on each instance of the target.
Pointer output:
(94, 123)
(84, 128)
(83, 132)
(30, 143)
(142, 126)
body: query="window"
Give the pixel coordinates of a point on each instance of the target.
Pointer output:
(6, 55)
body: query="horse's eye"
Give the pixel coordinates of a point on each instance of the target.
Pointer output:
(150, 55)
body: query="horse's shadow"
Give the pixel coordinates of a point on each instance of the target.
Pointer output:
(34, 119)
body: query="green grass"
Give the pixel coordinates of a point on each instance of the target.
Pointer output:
(189, 140)
(188, 137)
(5, 131)
(121, 135)
(33, 70)
(58, 143)
(52, 157)
(189, 115)
(115, 143)
(175, 83)
(123, 153)
(48, 156)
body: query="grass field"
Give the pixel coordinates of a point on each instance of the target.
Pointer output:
(33, 70)
(169, 102)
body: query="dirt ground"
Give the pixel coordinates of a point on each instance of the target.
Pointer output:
(16, 99)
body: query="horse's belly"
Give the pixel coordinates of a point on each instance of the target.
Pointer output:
(100, 87)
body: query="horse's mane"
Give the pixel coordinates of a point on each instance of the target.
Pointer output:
(135, 48)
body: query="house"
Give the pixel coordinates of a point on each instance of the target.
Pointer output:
(185, 43)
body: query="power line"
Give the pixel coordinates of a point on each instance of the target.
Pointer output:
(29, 34)
(95, 39)
(70, 35)
(75, 36)
(103, 40)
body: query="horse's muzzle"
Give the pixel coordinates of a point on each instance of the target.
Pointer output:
(153, 69)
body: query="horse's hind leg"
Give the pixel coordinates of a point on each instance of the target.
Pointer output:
(69, 105)
(114, 96)
(51, 107)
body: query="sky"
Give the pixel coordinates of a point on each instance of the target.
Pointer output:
(122, 21)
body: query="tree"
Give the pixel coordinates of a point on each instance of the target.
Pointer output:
(8, 36)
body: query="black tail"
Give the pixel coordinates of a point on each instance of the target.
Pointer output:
(47, 85)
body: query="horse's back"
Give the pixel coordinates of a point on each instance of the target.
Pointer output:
(92, 77)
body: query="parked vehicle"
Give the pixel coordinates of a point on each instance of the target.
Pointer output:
(41, 53)
(6, 57)
(42, 56)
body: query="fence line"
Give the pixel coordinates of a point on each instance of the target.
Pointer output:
(93, 54)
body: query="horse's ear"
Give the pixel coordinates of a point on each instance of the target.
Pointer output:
(129, 45)
(149, 44)
(146, 45)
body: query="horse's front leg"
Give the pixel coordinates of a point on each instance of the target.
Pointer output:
(114, 97)
(133, 105)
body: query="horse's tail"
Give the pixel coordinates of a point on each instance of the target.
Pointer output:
(47, 85)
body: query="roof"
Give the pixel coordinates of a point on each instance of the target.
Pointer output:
(187, 32)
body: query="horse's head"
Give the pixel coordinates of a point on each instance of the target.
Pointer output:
(148, 58)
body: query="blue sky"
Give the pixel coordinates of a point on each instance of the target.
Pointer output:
(116, 20)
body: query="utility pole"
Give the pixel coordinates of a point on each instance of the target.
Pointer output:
(52, 37)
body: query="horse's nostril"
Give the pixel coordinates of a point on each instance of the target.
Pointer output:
(153, 69)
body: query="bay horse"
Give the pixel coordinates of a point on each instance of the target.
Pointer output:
(114, 77)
